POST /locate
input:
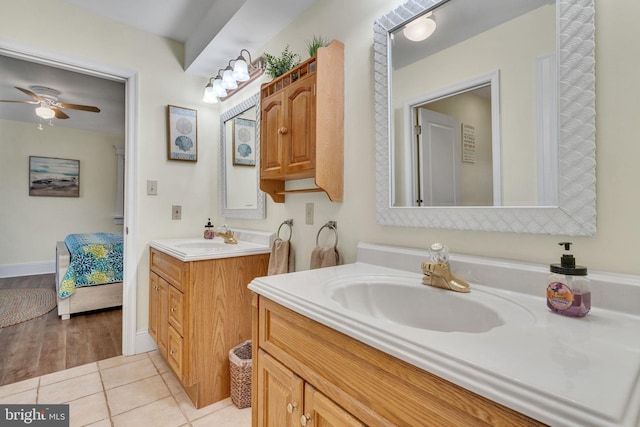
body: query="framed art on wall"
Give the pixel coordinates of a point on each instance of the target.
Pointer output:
(244, 142)
(53, 177)
(182, 130)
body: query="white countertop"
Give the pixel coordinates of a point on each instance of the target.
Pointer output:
(250, 242)
(562, 371)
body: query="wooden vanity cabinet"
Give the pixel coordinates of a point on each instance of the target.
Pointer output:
(305, 372)
(198, 311)
(302, 120)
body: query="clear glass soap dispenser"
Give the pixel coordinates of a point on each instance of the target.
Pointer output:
(568, 287)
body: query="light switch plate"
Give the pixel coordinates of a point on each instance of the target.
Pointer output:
(152, 188)
(176, 212)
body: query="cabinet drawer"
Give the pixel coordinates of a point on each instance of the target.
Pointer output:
(171, 269)
(175, 347)
(176, 310)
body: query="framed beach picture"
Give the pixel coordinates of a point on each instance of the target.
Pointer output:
(182, 129)
(244, 142)
(53, 177)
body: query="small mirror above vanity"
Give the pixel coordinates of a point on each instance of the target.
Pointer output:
(240, 153)
(488, 123)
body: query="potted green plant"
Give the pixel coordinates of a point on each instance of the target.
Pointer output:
(277, 66)
(315, 43)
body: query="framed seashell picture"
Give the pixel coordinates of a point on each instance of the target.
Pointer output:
(182, 130)
(244, 142)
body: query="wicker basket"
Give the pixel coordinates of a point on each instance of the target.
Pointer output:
(240, 369)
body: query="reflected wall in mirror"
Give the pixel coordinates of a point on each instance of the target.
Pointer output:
(542, 171)
(239, 153)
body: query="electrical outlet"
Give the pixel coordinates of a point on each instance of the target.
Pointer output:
(176, 212)
(152, 188)
(308, 217)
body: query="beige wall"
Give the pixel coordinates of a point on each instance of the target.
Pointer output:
(30, 226)
(195, 186)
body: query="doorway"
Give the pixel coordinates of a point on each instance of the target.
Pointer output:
(130, 80)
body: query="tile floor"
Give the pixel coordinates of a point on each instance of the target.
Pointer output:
(137, 391)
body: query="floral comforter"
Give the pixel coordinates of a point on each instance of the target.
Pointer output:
(95, 259)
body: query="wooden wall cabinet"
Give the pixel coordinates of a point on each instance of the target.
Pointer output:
(198, 311)
(305, 373)
(302, 120)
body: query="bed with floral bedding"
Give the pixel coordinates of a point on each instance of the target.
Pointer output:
(89, 272)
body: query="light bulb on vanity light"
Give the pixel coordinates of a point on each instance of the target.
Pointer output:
(420, 28)
(228, 82)
(209, 96)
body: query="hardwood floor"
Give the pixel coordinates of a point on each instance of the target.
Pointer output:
(47, 344)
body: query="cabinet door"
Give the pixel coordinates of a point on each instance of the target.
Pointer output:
(153, 305)
(300, 126)
(280, 394)
(162, 316)
(271, 136)
(320, 411)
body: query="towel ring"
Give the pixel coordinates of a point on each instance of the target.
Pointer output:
(288, 222)
(332, 225)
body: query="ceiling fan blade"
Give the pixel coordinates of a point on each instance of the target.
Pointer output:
(78, 107)
(20, 102)
(59, 113)
(31, 94)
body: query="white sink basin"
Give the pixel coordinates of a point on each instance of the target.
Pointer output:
(407, 302)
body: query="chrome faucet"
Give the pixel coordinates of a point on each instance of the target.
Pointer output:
(226, 234)
(437, 273)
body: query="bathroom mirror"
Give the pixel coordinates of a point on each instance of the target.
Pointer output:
(559, 101)
(240, 156)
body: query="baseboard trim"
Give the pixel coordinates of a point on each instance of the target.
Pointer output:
(27, 269)
(144, 342)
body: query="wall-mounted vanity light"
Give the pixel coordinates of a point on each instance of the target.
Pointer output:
(232, 79)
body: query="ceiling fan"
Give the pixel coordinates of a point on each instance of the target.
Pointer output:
(49, 105)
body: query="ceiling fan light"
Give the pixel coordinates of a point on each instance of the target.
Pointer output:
(420, 29)
(45, 112)
(228, 81)
(240, 70)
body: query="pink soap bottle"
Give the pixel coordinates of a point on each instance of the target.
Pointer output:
(568, 287)
(208, 230)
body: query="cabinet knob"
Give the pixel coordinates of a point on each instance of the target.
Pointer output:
(283, 130)
(172, 351)
(291, 407)
(173, 309)
(305, 419)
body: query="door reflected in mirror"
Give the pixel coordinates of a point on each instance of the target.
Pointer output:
(488, 151)
(450, 150)
(240, 144)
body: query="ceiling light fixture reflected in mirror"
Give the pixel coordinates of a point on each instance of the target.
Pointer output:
(420, 29)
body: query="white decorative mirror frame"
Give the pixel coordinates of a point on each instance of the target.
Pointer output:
(576, 211)
(259, 212)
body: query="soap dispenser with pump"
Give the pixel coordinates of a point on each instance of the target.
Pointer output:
(568, 287)
(208, 230)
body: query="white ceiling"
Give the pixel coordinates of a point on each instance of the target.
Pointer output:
(213, 32)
